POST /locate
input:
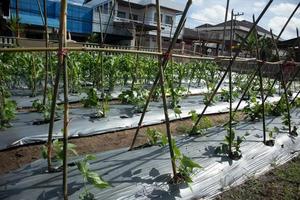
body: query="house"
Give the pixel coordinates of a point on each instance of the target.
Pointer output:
(31, 13)
(133, 18)
(240, 30)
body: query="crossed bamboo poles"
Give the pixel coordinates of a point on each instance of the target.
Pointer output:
(160, 75)
(163, 58)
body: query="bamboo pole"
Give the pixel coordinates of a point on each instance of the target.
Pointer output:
(224, 30)
(284, 85)
(161, 70)
(231, 32)
(298, 41)
(287, 22)
(46, 53)
(165, 60)
(260, 65)
(63, 65)
(230, 64)
(248, 85)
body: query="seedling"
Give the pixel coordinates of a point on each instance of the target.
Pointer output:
(154, 136)
(206, 98)
(136, 97)
(271, 133)
(185, 166)
(234, 152)
(204, 124)
(7, 111)
(92, 98)
(225, 95)
(58, 150)
(90, 177)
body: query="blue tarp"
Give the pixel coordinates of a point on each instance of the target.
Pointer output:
(79, 18)
(37, 20)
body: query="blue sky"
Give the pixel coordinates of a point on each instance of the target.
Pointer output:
(213, 11)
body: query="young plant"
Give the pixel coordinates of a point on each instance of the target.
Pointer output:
(253, 109)
(153, 136)
(225, 96)
(234, 152)
(271, 133)
(45, 109)
(92, 98)
(7, 110)
(58, 150)
(90, 177)
(185, 166)
(204, 124)
(206, 98)
(136, 97)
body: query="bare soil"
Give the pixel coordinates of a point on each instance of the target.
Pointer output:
(14, 158)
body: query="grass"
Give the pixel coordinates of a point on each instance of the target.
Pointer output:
(283, 182)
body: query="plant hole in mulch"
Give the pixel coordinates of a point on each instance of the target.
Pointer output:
(43, 121)
(270, 143)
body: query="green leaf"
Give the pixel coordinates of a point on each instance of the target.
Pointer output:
(96, 180)
(187, 162)
(164, 140)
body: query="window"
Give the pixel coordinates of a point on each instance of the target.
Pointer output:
(121, 14)
(169, 19)
(134, 17)
(105, 8)
(155, 18)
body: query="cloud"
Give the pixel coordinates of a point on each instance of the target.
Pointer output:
(197, 2)
(214, 14)
(284, 9)
(258, 5)
(277, 23)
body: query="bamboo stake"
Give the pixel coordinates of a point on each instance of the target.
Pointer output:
(46, 53)
(260, 65)
(298, 41)
(287, 22)
(248, 85)
(230, 64)
(231, 32)
(165, 60)
(284, 85)
(161, 70)
(63, 65)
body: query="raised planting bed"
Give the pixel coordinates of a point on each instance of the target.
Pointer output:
(145, 173)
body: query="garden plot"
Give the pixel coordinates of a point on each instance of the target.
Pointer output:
(23, 99)
(144, 173)
(119, 117)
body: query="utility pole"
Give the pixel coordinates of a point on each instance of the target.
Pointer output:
(224, 30)
(234, 15)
